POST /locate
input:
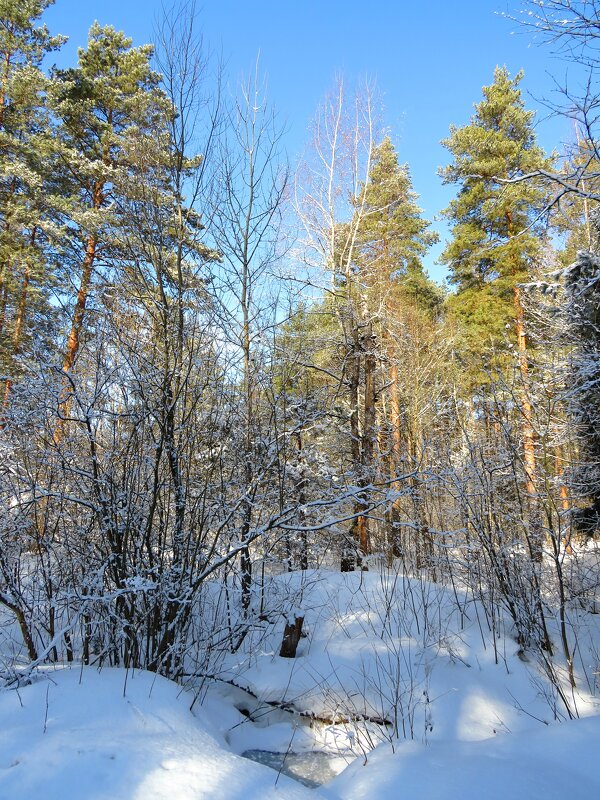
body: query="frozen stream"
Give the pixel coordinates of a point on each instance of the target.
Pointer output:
(311, 769)
(310, 751)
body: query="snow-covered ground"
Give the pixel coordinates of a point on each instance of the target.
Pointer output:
(112, 735)
(553, 763)
(417, 654)
(475, 718)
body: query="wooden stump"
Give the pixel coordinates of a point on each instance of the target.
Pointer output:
(291, 637)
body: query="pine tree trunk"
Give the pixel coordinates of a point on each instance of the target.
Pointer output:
(369, 434)
(565, 504)
(6, 61)
(74, 340)
(529, 461)
(395, 457)
(395, 416)
(534, 532)
(6, 265)
(3, 297)
(300, 488)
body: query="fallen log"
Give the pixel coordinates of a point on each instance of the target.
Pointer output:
(284, 705)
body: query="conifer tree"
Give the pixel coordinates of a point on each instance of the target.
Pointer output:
(137, 252)
(373, 249)
(102, 105)
(495, 236)
(393, 238)
(25, 194)
(382, 283)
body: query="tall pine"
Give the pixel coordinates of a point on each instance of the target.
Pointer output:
(495, 235)
(391, 291)
(25, 196)
(102, 106)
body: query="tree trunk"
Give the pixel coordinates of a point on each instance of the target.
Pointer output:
(300, 488)
(534, 535)
(6, 64)
(369, 435)
(395, 457)
(350, 553)
(291, 638)
(91, 248)
(24, 627)
(74, 340)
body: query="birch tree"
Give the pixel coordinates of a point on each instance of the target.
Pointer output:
(331, 199)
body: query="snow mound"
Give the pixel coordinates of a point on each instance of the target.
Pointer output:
(552, 763)
(384, 646)
(111, 735)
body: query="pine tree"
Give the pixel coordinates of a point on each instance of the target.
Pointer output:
(495, 236)
(389, 286)
(105, 104)
(25, 194)
(393, 238)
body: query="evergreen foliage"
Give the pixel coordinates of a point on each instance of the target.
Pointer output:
(393, 237)
(497, 225)
(105, 108)
(27, 225)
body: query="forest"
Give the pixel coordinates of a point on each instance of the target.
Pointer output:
(223, 373)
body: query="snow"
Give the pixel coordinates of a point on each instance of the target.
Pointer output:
(476, 718)
(375, 643)
(552, 763)
(113, 735)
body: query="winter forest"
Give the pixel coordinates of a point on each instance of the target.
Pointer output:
(263, 477)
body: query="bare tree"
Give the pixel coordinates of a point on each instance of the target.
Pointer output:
(250, 190)
(331, 194)
(571, 28)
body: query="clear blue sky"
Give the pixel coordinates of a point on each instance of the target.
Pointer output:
(430, 60)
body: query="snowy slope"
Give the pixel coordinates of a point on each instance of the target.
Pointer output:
(412, 652)
(85, 735)
(475, 718)
(107, 736)
(555, 763)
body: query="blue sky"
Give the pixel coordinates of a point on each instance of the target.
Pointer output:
(430, 60)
